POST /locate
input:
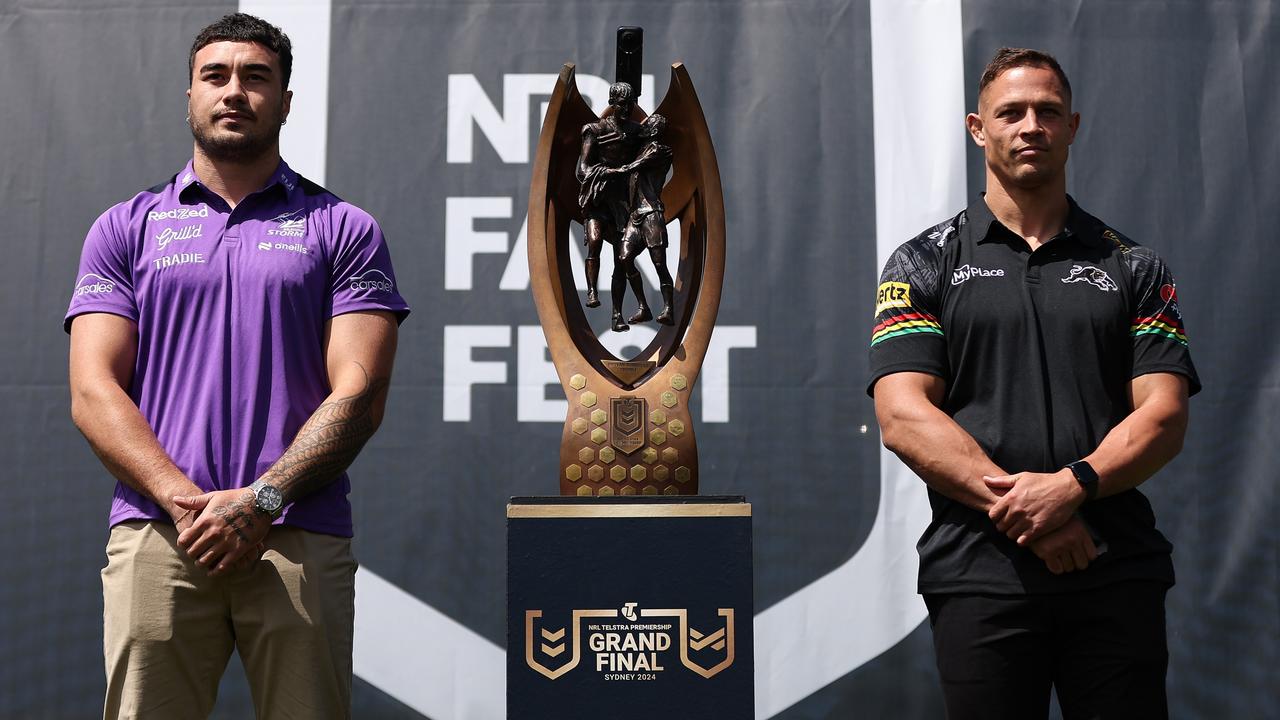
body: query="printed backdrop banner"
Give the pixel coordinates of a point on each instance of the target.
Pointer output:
(839, 131)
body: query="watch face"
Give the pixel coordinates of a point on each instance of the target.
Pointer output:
(269, 499)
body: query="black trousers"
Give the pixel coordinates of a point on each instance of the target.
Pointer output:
(1103, 650)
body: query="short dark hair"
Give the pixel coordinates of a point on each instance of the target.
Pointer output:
(1008, 58)
(241, 27)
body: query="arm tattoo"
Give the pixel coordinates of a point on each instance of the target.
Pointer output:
(328, 443)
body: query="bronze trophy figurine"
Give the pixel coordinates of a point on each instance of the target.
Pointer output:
(621, 170)
(628, 430)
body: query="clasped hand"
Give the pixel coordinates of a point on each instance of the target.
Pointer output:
(1032, 504)
(227, 532)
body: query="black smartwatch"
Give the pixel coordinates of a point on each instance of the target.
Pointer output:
(267, 499)
(1086, 476)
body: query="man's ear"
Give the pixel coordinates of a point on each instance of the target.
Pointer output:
(973, 123)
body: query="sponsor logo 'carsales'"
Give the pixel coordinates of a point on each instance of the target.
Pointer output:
(92, 284)
(372, 280)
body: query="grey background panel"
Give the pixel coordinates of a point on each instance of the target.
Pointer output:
(1176, 149)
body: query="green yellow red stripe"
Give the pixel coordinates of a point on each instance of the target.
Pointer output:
(1159, 325)
(905, 324)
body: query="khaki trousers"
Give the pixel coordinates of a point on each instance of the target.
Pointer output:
(169, 628)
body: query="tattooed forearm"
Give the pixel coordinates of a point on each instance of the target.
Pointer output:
(329, 441)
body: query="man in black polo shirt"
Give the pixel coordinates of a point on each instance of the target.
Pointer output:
(1030, 364)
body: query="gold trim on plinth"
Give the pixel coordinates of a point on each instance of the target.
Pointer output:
(630, 510)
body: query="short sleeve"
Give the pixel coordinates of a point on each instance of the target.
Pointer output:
(1156, 330)
(104, 280)
(907, 335)
(361, 276)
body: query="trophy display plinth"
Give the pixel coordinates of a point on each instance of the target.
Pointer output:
(627, 608)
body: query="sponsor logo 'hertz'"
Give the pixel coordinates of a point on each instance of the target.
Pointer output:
(965, 272)
(94, 284)
(628, 651)
(182, 213)
(372, 280)
(891, 295)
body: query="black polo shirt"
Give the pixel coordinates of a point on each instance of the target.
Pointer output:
(1037, 350)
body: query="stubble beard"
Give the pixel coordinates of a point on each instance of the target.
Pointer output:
(234, 148)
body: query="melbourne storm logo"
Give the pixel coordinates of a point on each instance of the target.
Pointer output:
(290, 224)
(371, 280)
(1092, 275)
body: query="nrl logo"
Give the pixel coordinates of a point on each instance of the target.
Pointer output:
(632, 650)
(1092, 275)
(626, 433)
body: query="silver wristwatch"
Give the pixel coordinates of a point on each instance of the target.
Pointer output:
(267, 499)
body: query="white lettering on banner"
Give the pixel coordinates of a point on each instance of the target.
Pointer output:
(508, 131)
(462, 241)
(715, 369)
(534, 374)
(461, 371)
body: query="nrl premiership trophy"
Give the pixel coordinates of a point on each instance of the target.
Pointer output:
(629, 430)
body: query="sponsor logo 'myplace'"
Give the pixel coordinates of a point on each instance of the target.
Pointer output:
(965, 272)
(94, 284)
(628, 644)
(179, 213)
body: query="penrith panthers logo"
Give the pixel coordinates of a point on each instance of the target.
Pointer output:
(1092, 275)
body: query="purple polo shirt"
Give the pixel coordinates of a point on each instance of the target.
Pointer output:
(231, 307)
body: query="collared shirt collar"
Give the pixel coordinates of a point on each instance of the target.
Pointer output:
(284, 177)
(1077, 225)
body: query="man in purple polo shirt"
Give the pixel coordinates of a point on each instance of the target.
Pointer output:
(232, 338)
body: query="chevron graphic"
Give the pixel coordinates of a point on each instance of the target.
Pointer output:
(715, 639)
(552, 650)
(552, 636)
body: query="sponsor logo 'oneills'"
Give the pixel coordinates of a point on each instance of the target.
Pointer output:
(1096, 277)
(94, 284)
(965, 272)
(628, 651)
(372, 280)
(892, 295)
(181, 213)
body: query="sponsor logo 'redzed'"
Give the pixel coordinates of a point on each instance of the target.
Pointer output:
(181, 213)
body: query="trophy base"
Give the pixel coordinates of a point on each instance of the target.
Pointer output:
(627, 608)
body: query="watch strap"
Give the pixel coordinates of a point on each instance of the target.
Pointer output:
(1086, 476)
